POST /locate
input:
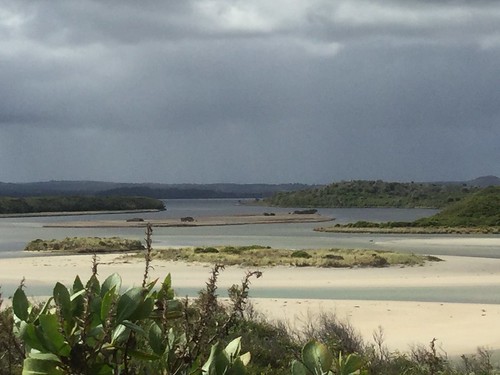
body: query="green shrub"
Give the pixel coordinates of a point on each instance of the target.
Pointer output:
(206, 250)
(301, 254)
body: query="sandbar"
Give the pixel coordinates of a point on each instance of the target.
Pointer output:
(196, 221)
(458, 327)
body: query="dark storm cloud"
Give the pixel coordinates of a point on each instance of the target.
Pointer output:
(205, 91)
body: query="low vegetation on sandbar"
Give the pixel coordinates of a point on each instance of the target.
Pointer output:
(85, 245)
(265, 256)
(253, 255)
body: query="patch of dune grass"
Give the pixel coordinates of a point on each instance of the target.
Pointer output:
(264, 256)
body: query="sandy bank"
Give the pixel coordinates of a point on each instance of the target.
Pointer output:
(459, 328)
(197, 221)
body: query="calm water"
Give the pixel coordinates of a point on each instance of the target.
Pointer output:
(15, 233)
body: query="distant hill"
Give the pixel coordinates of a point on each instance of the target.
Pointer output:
(152, 190)
(485, 181)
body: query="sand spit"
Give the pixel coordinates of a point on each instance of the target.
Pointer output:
(196, 221)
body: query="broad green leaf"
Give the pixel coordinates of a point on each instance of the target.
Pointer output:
(167, 282)
(149, 287)
(143, 355)
(44, 356)
(20, 304)
(233, 348)
(245, 358)
(63, 301)
(77, 285)
(112, 281)
(316, 356)
(237, 368)
(119, 333)
(134, 327)
(107, 303)
(156, 341)
(77, 298)
(54, 340)
(33, 366)
(28, 333)
(44, 309)
(77, 295)
(218, 362)
(350, 364)
(144, 310)
(166, 287)
(97, 332)
(298, 368)
(128, 303)
(93, 285)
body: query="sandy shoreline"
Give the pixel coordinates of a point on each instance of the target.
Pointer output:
(459, 328)
(197, 221)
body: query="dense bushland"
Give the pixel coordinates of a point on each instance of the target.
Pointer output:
(479, 209)
(373, 194)
(10, 205)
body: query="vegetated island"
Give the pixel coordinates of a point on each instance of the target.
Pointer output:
(85, 245)
(253, 255)
(476, 213)
(37, 206)
(360, 193)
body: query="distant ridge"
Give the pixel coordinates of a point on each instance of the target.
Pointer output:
(152, 190)
(173, 191)
(484, 181)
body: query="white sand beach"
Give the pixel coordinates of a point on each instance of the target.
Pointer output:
(458, 327)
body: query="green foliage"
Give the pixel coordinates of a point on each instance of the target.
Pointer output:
(262, 256)
(373, 194)
(28, 205)
(99, 330)
(11, 349)
(227, 361)
(206, 250)
(479, 209)
(478, 212)
(301, 254)
(317, 359)
(85, 245)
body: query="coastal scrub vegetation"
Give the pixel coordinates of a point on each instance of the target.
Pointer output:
(28, 205)
(85, 245)
(251, 255)
(96, 328)
(361, 193)
(265, 256)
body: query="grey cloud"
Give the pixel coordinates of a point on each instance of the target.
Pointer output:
(206, 91)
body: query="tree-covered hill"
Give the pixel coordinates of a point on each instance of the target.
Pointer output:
(362, 193)
(10, 205)
(479, 209)
(478, 212)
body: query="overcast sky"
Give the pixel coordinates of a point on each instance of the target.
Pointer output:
(310, 91)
